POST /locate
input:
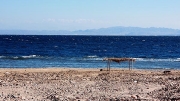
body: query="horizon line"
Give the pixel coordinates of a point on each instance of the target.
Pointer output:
(89, 28)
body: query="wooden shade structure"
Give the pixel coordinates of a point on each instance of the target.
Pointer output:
(118, 60)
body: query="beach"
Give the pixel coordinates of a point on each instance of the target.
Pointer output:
(76, 84)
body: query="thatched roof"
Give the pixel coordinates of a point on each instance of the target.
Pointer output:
(119, 59)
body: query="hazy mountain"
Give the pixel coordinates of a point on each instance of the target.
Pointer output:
(134, 31)
(130, 31)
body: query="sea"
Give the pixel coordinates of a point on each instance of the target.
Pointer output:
(78, 51)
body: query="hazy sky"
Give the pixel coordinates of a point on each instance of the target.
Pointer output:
(88, 14)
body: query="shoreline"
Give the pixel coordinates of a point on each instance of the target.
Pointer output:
(58, 69)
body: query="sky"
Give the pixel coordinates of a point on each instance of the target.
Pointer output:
(88, 14)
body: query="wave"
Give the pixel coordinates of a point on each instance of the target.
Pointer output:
(20, 57)
(86, 58)
(153, 59)
(92, 56)
(30, 56)
(136, 59)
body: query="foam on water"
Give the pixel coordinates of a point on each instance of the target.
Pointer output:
(30, 56)
(156, 60)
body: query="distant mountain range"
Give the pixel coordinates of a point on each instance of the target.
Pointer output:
(122, 31)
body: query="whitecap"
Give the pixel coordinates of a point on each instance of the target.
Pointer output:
(16, 57)
(30, 56)
(2, 56)
(93, 56)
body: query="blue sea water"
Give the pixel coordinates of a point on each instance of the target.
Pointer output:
(47, 51)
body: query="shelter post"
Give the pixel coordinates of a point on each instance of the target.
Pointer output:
(132, 64)
(129, 65)
(108, 65)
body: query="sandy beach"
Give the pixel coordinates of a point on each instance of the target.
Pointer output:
(60, 84)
